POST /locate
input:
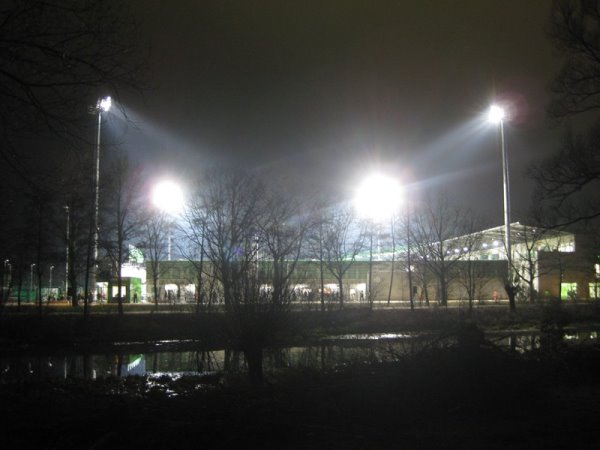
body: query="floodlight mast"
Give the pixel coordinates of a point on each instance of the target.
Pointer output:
(496, 116)
(103, 105)
(31, 267)
(67, 255)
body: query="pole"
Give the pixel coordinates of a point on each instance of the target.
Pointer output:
(9, 282)
(96, 206)
(67, 252)
(408, 258)
(169, 243)
(31, 280)
(50, 282)
(507, 237)
(370, 293)
(5, 279)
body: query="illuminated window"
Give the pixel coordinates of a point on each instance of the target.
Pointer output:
(568, 291)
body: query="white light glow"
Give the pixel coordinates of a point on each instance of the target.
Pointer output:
(105, 103)
(378, 197)
(168, 196)
(496, 114)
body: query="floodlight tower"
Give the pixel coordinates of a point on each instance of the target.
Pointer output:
(6, 278)
(50, 284)
(103, 105)
(31, 267)
(496, 116)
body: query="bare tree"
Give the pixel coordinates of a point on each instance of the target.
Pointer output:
(403, 238)
(393, 242)
(252, 236)
(343, 239)
(574, 29)
(56, 54)
(194, 231)
(56, 58)
(154, 235)
(472, 274)
(73, 220)
(437, 225)
(316, 250)
(228, 210)
(567, 183)
(122, 218)
(226, 207)
(282, 230)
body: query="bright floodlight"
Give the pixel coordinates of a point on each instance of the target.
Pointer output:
(378, 197)
(168, 196)
(496, 114)
(105, 103)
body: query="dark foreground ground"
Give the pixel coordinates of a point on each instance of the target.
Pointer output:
(469, 396)
(21, 328)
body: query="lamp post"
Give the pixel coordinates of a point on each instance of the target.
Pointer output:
(50, 283)
(377, 198)
(5, 279)
(103, 105)
(67, 211)
(496, 116)
(31, 280)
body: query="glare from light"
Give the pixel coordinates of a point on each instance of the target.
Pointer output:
(496, 114)
(105, 103)
(168, 197)
(378, 197)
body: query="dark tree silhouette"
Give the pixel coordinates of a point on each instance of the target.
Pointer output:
(154, 241)
(343, 239)
(55, 57)
(436, 229)
(123, 217)
(252, 234)
(567, 183)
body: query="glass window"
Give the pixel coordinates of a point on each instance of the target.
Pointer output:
(568, 291)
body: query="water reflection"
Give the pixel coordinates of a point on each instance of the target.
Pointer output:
(329, 354)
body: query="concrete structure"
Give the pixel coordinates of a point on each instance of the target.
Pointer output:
(547, 262)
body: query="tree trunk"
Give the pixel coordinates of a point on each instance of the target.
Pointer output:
(370, 298)
(443, 291)
(511, 291)
(321, 273)
(19, 287)
(254, 357)
(156, 293)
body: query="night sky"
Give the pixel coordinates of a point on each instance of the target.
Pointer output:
(331, 90)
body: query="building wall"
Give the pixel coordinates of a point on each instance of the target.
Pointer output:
(556, 268)
(489, 279)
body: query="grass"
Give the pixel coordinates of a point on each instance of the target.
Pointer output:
(105, 326)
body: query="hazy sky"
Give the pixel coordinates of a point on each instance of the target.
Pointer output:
(333, 89)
